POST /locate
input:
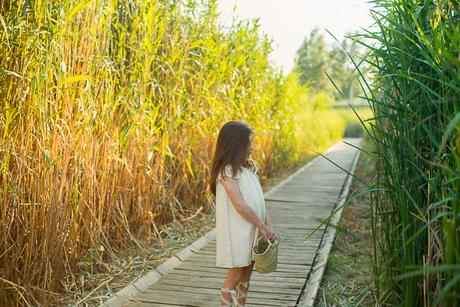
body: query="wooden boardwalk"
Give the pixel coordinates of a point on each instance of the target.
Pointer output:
(296, 207)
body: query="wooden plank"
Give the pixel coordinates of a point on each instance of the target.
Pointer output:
(290, 226)
(326, 188)
(271, 293)
(294, 233)
(298, 241)
(213, 281)
(163, 296)
(281, 259)
(292, 245)
(291, 242)
(302, 196)
(200, 270)
(295, 198)
(197, 300)
(296, 252)
(201, 301)
(206, 292)
(329, 181)
(297, 245)
(293, 210)
(282, 267)
(191, 275)
(211, 288)
(290, 209)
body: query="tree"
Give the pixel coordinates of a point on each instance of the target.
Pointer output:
(317, 59)
(311, 61)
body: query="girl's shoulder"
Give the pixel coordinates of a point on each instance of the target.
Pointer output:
(241, 172)
(228, 172)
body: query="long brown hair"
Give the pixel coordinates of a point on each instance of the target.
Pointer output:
(231, 148)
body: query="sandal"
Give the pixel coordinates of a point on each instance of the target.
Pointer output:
(224, 300)
(242, 294)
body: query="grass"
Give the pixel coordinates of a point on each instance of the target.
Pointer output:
(414, 92)
(94, 287)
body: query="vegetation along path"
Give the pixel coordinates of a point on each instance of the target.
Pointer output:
(296, 206)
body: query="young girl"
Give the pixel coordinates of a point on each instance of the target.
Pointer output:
(240, 209)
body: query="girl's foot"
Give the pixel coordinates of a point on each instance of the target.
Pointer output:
(227, 297)
(242, 294)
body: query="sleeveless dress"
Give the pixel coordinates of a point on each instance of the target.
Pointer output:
(235, 236)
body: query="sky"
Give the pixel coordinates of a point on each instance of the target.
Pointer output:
(288, 22)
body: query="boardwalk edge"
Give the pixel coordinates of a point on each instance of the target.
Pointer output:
(308, 294)
(142, 283)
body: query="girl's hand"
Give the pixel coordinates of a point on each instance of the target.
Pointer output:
(263, 230)
(273, 235)
(267, 232)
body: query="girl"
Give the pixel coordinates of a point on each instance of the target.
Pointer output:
(240, 209)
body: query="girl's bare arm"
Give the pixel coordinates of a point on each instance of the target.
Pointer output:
(267, 219)
(234, 193)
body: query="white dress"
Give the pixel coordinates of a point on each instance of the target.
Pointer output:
(235, 236)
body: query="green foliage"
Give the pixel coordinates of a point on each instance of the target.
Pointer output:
(353, 130)
(317, 61)
(415, 98)
(311, 61)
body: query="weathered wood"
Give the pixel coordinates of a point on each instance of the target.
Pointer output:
(282, 267)
(296, 206)
(210, 294)
(193, 300)
(281, 294)
(210, 288)
(268, 281)
(203, 270)
(299, 198)
(212, 260)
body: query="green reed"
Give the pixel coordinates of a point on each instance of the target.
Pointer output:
(414, 93)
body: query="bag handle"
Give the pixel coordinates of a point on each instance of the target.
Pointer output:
(269, 242)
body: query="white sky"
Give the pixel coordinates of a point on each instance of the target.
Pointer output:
(288, 22)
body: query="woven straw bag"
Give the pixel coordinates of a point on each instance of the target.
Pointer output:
(265, 255)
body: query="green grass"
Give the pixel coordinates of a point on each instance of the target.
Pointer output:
(414, 92)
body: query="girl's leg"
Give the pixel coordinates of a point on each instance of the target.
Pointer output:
(229, 286)
(242, 286)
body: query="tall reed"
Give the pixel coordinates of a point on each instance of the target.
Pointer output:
(415, 97)
(109, 111)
